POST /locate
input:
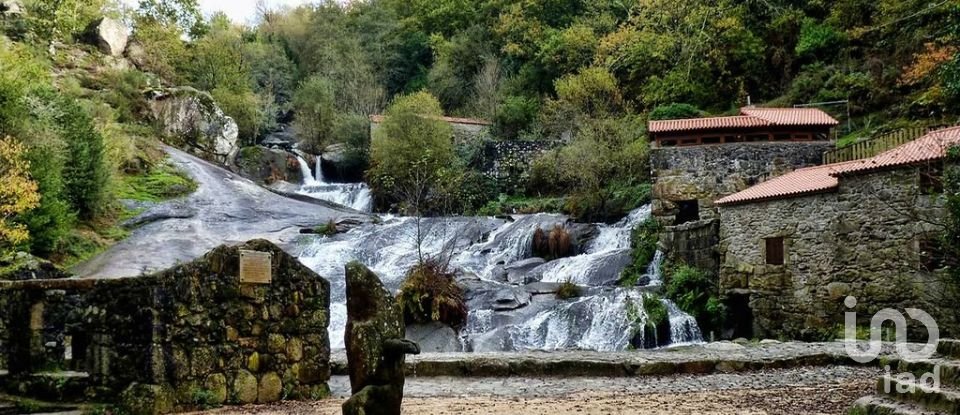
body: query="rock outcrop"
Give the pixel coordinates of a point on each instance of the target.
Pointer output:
(192, 121)
(10, 7)
(375, 345)
(109, 35)
(267, 165)
(22, 266)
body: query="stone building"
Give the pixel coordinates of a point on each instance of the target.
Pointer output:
(794, 247)
(697, 161)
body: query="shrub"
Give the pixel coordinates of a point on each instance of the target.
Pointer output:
(568, 290)
(818, 40)
(675, 111)
(327, 229)
(553, 245)
(163, 181)
(430, 293)
(18, 192)
(695, 293)
(643, 241)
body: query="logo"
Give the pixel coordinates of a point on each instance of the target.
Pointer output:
(875, 344)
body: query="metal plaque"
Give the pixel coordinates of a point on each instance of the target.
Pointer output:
(256, 267)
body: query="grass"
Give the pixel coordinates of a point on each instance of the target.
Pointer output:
(327, 229)
(162, 182)
(568, 290)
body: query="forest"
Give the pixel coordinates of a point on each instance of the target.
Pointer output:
(588, 74)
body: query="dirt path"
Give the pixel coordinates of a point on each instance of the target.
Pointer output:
(819, 390)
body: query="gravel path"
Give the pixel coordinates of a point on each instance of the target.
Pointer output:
(808, 390)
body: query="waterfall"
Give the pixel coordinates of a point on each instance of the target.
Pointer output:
(353, 195)
(479, 248)
(308, 179)
(320, 178)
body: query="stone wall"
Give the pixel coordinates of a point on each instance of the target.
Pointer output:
(267, 166)
(710, 172)
(862, 240)
(508, 162)
(693, 243)
(191, 331)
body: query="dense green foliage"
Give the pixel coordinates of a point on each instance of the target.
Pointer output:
(413, 164)
(695, 292)
(643, 241)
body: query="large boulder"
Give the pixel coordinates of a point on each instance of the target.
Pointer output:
(434, 337)
(22, 266)
(267, 165)
(337, 165)
(109, 35)
(375, 345)
(192, 121)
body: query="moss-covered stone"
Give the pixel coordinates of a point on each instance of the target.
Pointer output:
(270, 388)
(295, 350)
(245, 388)
(253, 362)
(216, 384)
(140, 399)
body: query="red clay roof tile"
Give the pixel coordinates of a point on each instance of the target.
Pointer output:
(809, 180)
(749, 117)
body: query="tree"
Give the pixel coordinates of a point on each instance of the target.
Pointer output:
(18, 192)
(184, 14)
(413, 162)
(315, 112)
(85, 173)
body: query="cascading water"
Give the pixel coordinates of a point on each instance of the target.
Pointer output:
(308, 179)
(353, 195)
(504, 316)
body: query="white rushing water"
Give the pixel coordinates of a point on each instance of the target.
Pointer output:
(353, 195)
(605, 317)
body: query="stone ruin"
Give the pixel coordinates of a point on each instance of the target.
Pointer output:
(192, 336)
(375, 344)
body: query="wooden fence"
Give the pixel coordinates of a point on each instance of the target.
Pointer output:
(876, 145)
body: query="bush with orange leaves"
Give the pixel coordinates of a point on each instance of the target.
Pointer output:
(553, 245)
(18, 193)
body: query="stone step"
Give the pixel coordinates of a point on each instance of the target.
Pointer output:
(879, 405)
(942, 400)
(948, 371)
(949, 348)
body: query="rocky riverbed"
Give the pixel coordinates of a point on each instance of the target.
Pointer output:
(806, 390)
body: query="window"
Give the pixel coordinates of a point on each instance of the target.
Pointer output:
(931, 178)
(688, 211)
(774, 250)
(932, 256)
(668, 143)
(801, 137)
(781, 137)
(758, 137)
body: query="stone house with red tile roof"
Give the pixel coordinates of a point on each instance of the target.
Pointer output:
(697, 161)
(794, 247)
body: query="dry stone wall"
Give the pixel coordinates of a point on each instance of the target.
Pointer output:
(191, 333)
(707, 173)
(862, 240)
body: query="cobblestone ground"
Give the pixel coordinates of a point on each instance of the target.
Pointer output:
(807, 390)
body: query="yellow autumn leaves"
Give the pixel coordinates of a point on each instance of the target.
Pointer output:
(18, 192)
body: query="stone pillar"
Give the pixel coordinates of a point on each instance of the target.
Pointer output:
(26, 349)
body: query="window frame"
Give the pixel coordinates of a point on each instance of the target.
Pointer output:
(775, 242)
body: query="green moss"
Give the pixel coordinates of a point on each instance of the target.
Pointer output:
(162, 182)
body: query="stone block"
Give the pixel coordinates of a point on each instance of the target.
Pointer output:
(244, 388)
(270, 388)
(142, 399)
(216, 384)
